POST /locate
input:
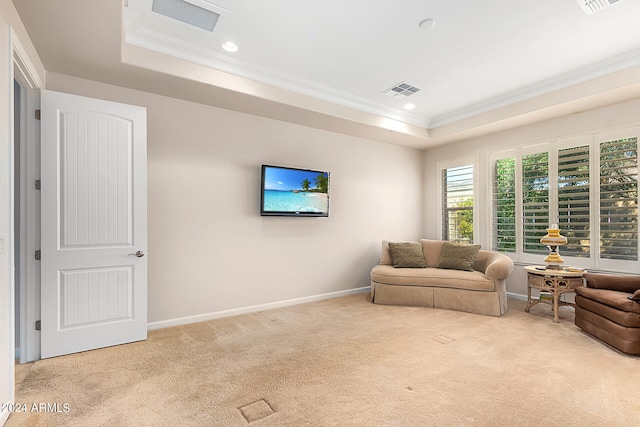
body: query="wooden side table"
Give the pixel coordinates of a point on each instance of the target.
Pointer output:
(557, 282)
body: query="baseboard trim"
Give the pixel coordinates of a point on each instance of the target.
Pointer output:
(252, 309)
(517, 296)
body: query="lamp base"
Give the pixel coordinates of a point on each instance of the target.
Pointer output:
(554, 261)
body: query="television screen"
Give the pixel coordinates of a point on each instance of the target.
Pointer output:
(294, 192)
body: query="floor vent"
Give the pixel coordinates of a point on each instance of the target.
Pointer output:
(593, 6)
(187, 13)
(401, 90)
(256, 411)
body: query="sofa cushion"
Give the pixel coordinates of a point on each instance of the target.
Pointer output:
(473, 280)
(615, 282)
(458, 257)
(385, 257)
(432, 250)
(624, 318)
(615, 299)
(407, 255)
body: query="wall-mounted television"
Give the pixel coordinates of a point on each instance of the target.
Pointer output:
(294, 192)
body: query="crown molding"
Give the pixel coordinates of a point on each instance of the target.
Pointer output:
(137, 34)
(599, 69)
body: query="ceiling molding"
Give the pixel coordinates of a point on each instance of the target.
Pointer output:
(139, 35)
(241, 94)
(600, 69)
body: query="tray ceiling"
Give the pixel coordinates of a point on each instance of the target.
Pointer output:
(463, 59)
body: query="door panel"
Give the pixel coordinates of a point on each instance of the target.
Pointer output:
(96, 178)
(93, 222)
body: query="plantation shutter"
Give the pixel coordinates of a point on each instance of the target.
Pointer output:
(573, 200)
(458, 204)
(619, 199)
(504, 205)
(535, 201)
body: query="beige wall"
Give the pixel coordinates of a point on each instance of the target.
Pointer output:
(611, 117)
(209, 249)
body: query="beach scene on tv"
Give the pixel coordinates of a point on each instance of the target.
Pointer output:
(295, 190)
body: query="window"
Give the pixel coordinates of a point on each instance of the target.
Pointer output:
(573, 200)
(535, 200)
(457, 213)
(588, 185)
(619, 199)
(504, 205)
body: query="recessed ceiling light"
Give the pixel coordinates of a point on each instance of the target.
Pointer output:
(409, 106)
(230, 46)
(427, 24)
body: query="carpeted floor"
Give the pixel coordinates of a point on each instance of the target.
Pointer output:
(344, 362)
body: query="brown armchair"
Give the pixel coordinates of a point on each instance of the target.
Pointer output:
(607, 309)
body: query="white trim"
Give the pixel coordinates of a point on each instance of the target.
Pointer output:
(513, 295)
(30, 289)
(252, 309)
(30, 81)
(27, 77)
(21, 268)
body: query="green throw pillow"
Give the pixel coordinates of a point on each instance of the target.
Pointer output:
(458, 257)
(407, 255)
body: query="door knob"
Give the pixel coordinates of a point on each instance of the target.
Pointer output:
(139, 254)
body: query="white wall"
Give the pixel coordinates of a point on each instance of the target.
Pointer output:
(209, 249)
(12, 34)
(615, 116)
(6, 206)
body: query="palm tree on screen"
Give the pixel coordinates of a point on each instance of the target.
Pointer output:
(322, 183)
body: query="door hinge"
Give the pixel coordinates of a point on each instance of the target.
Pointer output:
(38, 255)
(37, 114)
(37, 325)
(37, 184)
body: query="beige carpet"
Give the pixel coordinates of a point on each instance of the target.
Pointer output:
(345, 362)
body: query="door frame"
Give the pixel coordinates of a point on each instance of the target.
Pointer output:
(29, 277)
(24, 72)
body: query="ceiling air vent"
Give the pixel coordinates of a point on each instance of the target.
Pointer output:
(593, 6)
(187, 13)
(401, 90)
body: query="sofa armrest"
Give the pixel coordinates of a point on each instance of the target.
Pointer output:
(613, 282)
(499, 266)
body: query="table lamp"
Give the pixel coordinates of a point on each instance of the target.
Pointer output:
(553, 240)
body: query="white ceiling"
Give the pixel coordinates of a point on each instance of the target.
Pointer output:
(485, 65)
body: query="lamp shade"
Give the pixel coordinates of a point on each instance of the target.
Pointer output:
(553, 238)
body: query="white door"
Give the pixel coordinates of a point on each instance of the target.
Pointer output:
(94, 231)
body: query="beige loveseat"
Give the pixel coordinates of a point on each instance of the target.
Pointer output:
(482, 291)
